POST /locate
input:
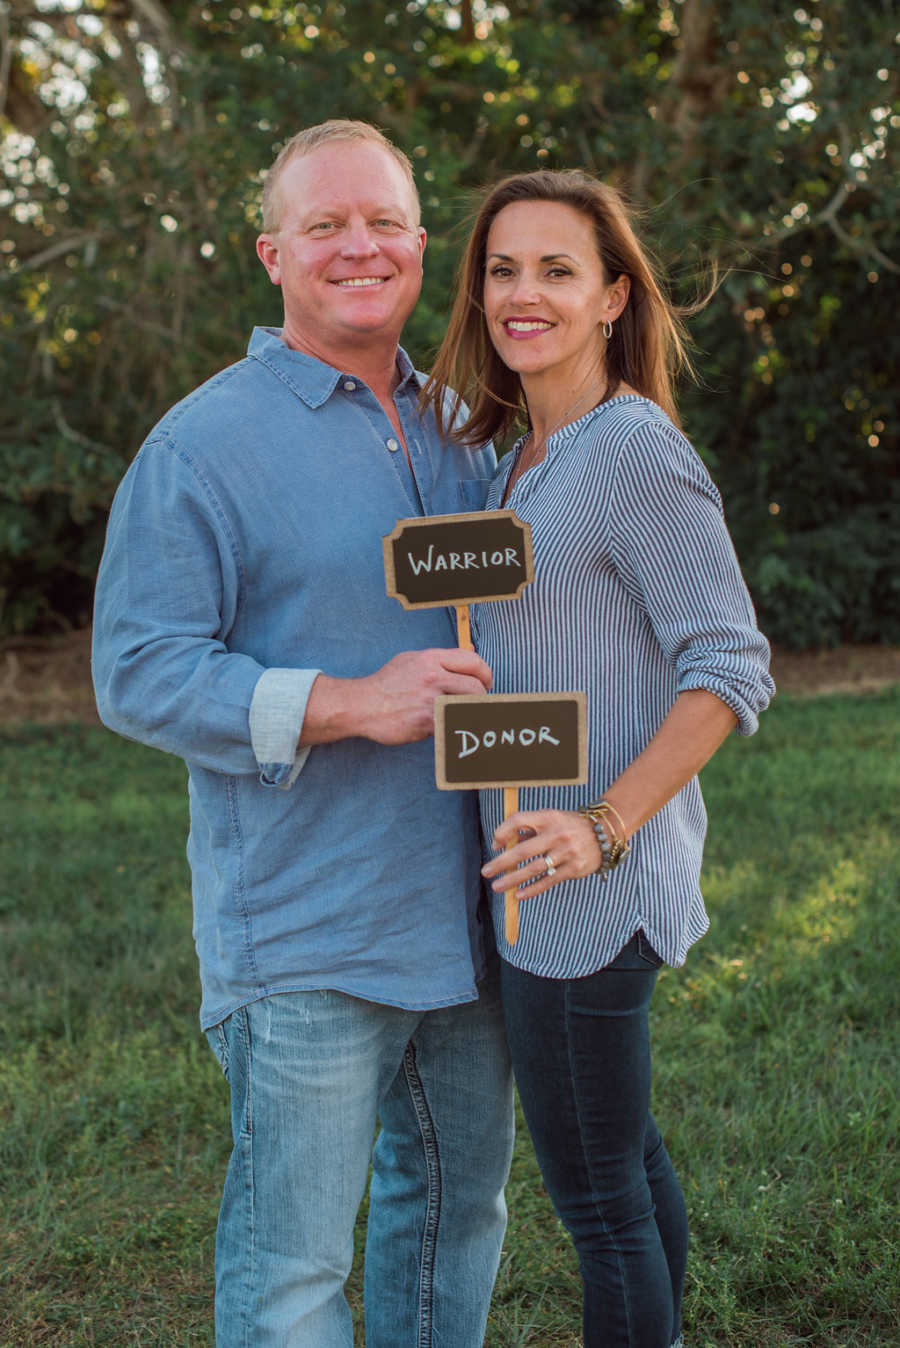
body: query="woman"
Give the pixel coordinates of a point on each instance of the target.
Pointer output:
(637, 599)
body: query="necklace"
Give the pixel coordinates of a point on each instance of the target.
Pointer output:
(531, 450)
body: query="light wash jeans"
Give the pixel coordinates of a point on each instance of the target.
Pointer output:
(309, 1072)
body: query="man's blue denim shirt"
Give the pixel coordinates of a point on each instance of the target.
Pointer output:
(244, 556)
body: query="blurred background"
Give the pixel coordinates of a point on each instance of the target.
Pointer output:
(751, 135)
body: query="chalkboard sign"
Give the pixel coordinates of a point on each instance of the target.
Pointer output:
(458, 559)
(510, 739)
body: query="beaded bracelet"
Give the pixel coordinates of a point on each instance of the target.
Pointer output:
(612, 847)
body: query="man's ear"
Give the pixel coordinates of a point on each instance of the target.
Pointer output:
(267, 252)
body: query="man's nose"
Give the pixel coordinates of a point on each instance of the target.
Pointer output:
(359, 241)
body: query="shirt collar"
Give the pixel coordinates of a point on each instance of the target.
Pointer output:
(311, 379)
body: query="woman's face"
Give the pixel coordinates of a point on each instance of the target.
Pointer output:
(546, 292)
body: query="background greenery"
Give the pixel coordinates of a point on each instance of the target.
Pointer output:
(754, 133)
(775, 1055)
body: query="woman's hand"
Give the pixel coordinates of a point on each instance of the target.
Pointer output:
(557, 841)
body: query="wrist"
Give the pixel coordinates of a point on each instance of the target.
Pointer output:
(609, 830)
(332, 711)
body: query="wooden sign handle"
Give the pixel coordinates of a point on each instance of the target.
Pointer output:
(511, 907)
(464, 628)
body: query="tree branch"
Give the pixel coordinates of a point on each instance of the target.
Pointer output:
(58, 249)
(64, 246)
(864, 247)
(70, 433)
(146, 324)
(828, 215)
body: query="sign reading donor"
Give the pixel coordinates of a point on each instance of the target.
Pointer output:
(458, 559)
(510, 740)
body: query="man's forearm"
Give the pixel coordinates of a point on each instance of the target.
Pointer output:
(395, 704)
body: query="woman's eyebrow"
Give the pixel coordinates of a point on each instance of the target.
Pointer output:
(545, 257)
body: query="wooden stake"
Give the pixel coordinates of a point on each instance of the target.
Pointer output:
(511, 907)
(463, 628)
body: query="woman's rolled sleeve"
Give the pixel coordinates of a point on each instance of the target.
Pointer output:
(676, 557)
(739, 678)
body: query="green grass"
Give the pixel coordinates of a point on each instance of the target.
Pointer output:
(775, 1052)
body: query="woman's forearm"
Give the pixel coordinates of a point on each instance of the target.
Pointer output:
(689, 736)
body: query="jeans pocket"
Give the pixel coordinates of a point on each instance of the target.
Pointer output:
(218, 1042)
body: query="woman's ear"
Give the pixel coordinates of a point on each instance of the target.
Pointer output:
(617, 297)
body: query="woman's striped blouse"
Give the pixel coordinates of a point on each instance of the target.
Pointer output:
(637, 596)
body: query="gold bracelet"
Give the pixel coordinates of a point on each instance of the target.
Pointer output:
(604, 806)
(613, 848)
(613, 809)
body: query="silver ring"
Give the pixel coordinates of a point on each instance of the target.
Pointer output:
(551, 868)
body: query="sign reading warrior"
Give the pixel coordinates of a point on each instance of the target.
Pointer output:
(510, 740)
(458, 559)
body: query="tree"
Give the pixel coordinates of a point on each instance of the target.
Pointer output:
(134, 136)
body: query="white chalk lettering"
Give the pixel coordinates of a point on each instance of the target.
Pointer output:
(471, 741)
(424, 564)
(467, 747)
(461, 561)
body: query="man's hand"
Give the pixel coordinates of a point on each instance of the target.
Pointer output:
(395, 705)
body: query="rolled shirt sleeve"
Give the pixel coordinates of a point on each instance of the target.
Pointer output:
(277, 711)
(675, 555)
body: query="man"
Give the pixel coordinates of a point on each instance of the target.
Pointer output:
(242, 622)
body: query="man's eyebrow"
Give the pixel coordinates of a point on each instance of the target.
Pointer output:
(342, 209)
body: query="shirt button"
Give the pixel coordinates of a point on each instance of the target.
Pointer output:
(393, 445)
(349, 385)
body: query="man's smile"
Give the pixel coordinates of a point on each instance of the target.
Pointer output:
(359, 281)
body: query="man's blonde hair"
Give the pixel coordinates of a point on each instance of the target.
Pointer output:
(304, 142)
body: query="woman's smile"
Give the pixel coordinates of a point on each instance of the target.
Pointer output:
(546, 293)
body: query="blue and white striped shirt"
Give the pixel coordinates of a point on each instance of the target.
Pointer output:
(637, 597)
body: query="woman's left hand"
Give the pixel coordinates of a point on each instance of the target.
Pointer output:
(560, 845)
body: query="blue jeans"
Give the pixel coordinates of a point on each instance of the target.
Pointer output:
(309, 1072)
(581, 1056)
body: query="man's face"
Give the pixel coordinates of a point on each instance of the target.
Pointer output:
(347, 251)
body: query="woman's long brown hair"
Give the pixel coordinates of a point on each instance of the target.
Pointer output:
(647, 346)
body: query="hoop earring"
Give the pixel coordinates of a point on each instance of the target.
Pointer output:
(606, 329)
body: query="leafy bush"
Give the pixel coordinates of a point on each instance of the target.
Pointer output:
(752, 134)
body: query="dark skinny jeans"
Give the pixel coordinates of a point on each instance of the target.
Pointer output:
(581, 1055)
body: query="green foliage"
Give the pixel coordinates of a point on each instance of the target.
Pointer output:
(775, 1055)
(752, 134)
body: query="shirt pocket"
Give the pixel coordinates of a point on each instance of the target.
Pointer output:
(473, 493)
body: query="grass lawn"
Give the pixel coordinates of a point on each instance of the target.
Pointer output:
(776, 1052)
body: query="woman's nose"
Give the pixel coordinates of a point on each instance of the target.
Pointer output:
(525, 289)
